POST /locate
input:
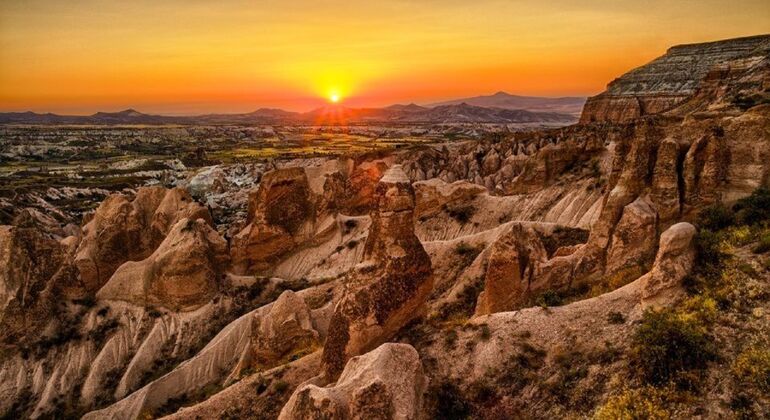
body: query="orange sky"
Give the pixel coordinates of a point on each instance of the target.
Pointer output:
(196, 56)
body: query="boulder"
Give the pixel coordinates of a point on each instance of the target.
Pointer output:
(182, 274)
(122, 230)
(510, 278)
(286, 328)
(633, 242)
(385, 384)
(391, 285)
(281, 215)
(675, 259)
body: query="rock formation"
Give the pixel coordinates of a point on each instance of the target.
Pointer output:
(389, 287)
(674, 261)
(183, 273)
(142, 313)
(281, 215)
(285, 329)
(386, 383)
(511, 275)
(129, 230)
(669, 80)
(634, 240)
(29, 260)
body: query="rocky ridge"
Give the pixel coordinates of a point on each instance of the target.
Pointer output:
(683, 72)
(512, 269)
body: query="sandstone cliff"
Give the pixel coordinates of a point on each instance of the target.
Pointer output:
(668, 81)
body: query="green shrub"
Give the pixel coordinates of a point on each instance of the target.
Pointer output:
(753, 367)
(467, 250)
(465, 305)
(763, 245)
(486, 334)
(615, 318)
(715, 217)
(669, 347)
(280, 386)
(462, 214)
(450, 339)
(710, 252)
(549, 298)
(753, 209)
(636, 404)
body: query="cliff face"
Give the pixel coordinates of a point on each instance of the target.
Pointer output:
(670, 80)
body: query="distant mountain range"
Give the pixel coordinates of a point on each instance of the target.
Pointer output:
(565, 105)
(499, 109)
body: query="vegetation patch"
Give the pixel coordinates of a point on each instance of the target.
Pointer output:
(669, 347)
(643, 403)
(563, 236)
(467, 251)
(461, 213)
(752, 367)
(465, 304)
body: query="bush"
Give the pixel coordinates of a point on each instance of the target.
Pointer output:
(644, 403)
(753, 209)
(449, 402)
(753, 367)
(468, 251)
(715, 217)
(465, 305)
(549, 298)
(764, 244)
(280, 387)
(615, 318)
(668, 347)
(88, 301)
(710, 253)
(462, 214)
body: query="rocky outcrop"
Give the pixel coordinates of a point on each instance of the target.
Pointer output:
(286, 328)
(281, 215)
(183, 273)
(633, 242)
(520, 163)
(673, 263)
(129, 230)
(511, 275)
(385, 384)
(392, 284)
(29, 260)
(669, 80)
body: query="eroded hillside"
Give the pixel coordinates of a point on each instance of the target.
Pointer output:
(613, 269)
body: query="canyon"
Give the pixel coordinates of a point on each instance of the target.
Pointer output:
(469, 271)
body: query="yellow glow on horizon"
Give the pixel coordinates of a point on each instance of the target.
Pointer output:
(334, 97)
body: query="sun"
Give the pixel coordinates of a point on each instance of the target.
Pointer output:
(334, 97)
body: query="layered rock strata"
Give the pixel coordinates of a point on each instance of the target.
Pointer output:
(669, 80)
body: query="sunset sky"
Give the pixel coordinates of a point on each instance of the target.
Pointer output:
(196, 56)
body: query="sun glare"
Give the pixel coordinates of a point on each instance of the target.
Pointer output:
(334, 97)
